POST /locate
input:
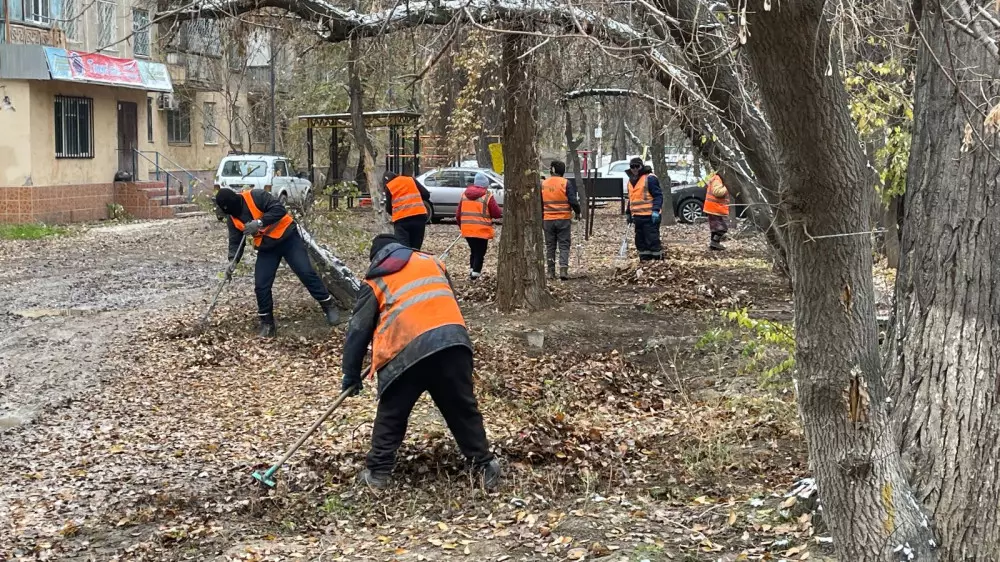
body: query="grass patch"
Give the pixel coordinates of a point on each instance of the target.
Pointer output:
(29, 231)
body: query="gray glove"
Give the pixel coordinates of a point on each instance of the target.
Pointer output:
(230, 271)
(253, 227)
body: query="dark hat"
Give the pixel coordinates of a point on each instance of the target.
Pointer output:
(558, 167)
(229, 201)
(636, 162)
(381, 241)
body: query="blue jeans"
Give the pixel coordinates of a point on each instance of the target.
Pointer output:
(293, 250)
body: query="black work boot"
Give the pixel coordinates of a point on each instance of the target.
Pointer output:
(492, 474)
(374, 480)
(267, 327)
(716, 244)
(563, 273)
(330, 310)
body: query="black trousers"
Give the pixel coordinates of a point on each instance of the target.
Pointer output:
(293, 250)
(447, 376)
(647, 238)
(410, 231)
(477, 253)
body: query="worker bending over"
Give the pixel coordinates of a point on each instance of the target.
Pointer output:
(258, 214)
(475, 213)
(408, 313)
(645, 199)
(559, 198)
(404, 202)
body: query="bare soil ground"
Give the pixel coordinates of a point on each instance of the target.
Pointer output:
(646, 427)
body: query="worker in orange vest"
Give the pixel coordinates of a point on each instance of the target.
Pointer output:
(405, 201)
(559, 204)
(645, 199)
(406, 310)
(717, 208)
(256, 213)
(475, 214)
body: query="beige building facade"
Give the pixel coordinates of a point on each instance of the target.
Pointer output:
(91, 94)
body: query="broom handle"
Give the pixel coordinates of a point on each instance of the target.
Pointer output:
(340, 400)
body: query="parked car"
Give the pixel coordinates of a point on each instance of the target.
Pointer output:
(688, 202)
(446, 186)
(269, 172)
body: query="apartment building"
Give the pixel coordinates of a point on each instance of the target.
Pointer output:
(91, 93)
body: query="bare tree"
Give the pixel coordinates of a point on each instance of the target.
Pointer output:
(366, 156)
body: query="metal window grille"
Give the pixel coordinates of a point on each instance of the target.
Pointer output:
(37, 11)
(140, 33)
(179, 124)
(74, 118)
(107, 24)
(208, 119)
(71, 15)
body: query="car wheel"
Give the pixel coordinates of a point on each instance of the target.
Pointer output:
(283, 198)
(689, 211)
(430, 212)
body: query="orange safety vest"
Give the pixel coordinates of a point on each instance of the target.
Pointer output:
(476, 219)
(555, 201)
(275, 231)
(406, 200)
(718, 206)
(411, 302)
(640, 201)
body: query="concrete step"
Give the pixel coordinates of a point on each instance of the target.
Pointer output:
(165, 201)
(189, 214)
(184, 208)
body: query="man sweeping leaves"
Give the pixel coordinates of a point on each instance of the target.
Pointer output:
(407, 311)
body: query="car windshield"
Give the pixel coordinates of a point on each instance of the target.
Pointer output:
(244, 169)
(620, 167)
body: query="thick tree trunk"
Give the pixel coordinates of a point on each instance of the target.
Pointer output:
(366, 159)
(659, 157)
(521, 275)
(948, 293)
(842, 396)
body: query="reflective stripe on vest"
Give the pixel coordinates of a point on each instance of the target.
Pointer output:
(476, 219)
(640, 202)
(718, 206)
(411, 302)
(275, 231)
(555, 201)
(406, 200)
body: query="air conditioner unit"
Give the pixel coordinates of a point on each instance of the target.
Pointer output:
(167, 102)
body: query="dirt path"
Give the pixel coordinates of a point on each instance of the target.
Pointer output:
(66, 302)
(643, 429)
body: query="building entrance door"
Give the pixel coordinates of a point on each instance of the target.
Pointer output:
(128, 138)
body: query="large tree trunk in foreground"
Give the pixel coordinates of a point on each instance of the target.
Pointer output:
(573, 161)
(521, 275)
(842, 396)
(948, 293)
(365, 151)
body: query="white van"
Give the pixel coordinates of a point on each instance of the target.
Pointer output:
(269, 172)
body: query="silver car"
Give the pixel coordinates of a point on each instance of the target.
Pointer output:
(446, 186)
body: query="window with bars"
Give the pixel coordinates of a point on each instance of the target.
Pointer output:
(208, 120)
(140, 33)
(37, 11)
(74, 118)
(70, 24)
(179, 124)
(107, 25)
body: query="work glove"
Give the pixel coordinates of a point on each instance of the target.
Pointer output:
(576, 216)
(253, 227)
(230, 271)
(628, 218)
(656, 217)
(351, 381)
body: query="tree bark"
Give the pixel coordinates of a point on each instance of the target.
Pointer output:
(659, 158)
(521, 272)
(948, 292)
(573, 159)
(841, 392)
(366, 158)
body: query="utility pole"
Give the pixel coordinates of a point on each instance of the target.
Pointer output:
(274, 122)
